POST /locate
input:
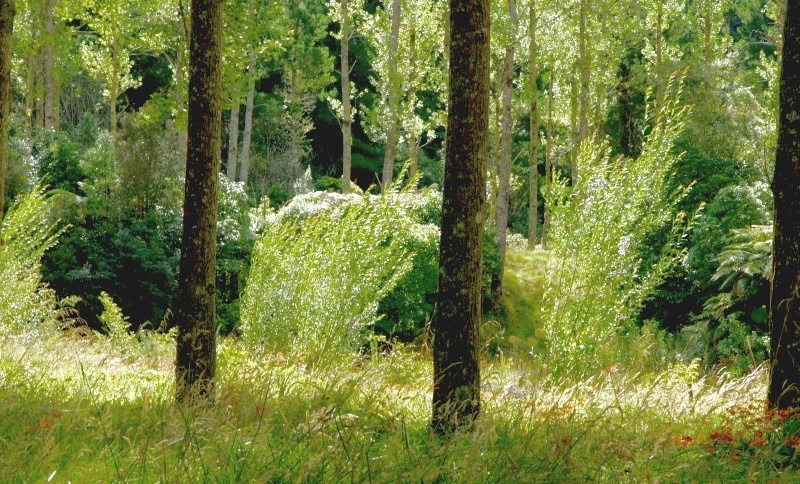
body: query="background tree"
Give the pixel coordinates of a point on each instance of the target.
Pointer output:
(456, 377)
(195, 308)
(784, 385)
(7, 13)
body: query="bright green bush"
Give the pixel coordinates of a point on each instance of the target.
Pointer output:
(596, 282)
(26, 233)
(320, 271)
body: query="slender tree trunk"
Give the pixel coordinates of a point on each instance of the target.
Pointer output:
(394, 90)
(413, 141)
(347, 120)
(456, 382)
(574, 106)
(583, 126)
(30, 92)
(247, 134)
(659, 55)
(49, 80)
(116, 70)
(7, 12)
(233, 141)
(504, 168)
(784, 386)
(707, 31)
(195, 307)
(548, 170)
(533, 152)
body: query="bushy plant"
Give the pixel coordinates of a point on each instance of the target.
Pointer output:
(25, 234)
(320, 271)
(596, 282)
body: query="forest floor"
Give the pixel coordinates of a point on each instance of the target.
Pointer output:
(87, 409)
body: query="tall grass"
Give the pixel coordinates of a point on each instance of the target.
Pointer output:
(72, 410)
(598, 275)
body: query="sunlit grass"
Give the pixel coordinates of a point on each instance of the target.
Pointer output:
(79, 409)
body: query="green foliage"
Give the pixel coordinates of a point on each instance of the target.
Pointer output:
(596, 282)
(320, 271)
(26, 233)
(58, 161)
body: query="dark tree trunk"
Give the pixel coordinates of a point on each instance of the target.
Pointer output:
(784, 385)
(195, 309)
(456, 384)
(7, 13)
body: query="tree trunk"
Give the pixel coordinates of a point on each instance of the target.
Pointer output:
(195, 306)
(504, 168)
(659, 55)
(49, 80)
(347, 120)
(583, 123)
(784, 386)
(707, 31)
(247, 134)
(7, 12)
(233, 142)
(548, 170)
(456, 383)
(533, 152)
(574, 107)
(413, 141)
(394, 91)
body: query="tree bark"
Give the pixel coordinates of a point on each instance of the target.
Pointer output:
(456, 391)
(347, 120)
(504, 167)
(50, 104)
(7, 12)
(247, 134)
(233, 142)
(195, 307)
(784, 386)
(394, 91)
(533, 151)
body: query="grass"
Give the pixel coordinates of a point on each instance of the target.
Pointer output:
(84, 410)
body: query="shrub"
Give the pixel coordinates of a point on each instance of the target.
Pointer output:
(320, 271)
(26, 233)
(596, 283)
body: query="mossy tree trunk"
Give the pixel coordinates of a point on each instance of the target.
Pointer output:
(195, 307)
(784, 386)
(456, 390)
(7, 12)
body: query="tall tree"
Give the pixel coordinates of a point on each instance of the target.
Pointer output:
(195, 308)
(456, 383)
(507, 125)
(7, 13)
(784, 385)
(50, 105)
(533, 149)
(392, 95)
(347, 118)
